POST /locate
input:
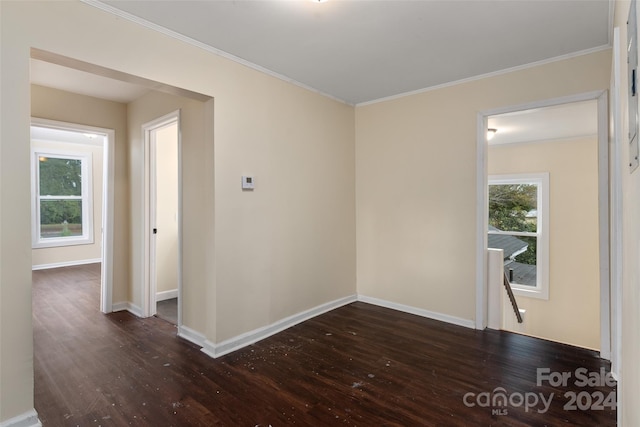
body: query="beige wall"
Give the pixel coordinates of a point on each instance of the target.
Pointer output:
(53, 104)
(167, 208)
(93, 251)
(197, 159)
(416, 182)
(629, 386)
(290, 244)
(16, 349)
(573, 242)
(286, 247)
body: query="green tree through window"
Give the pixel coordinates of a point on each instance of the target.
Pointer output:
(60, 177)
(518, 223)
(510, 208)
(509, 205)
(60, 191)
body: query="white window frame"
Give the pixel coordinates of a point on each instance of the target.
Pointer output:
(87, 199)
(541, 290)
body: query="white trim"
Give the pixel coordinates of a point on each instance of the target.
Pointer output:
(545, 141)
(616, 209)
(236, 343)
(467, 323)
(487, 75)
(165, 295)
(541, 290)
(173, 34)
(495, 293)
(149, 248)
(108, 198)
(586, 96)
(251, 337)
(28, 419)
(108, 215)
(603, 226)
(127, 306)
(65, 264)
(192, 335)
(86, 198)
(119, 306)
(482, 221)
(617, 201)
(167, 32)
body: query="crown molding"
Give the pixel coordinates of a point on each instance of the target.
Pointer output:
(487, 75)
(173, 34)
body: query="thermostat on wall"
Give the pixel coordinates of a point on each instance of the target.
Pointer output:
(247, 183)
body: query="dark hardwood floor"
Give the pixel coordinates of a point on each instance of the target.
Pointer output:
(357, 365)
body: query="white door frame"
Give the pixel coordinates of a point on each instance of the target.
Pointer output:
(616, 209)
(616, 216)
(106, 281)
(603, 207)
(149, 280)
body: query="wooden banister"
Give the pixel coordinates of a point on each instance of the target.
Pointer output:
(512, 298)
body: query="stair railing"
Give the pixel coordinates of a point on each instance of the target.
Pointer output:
(512, 298)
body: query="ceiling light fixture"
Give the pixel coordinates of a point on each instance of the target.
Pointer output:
(491, 132)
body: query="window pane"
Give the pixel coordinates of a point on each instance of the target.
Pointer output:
(521, 265)
(60, 177)
(60, 218)
(513, 207)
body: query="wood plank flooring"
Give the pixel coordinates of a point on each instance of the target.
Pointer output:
(357, 365)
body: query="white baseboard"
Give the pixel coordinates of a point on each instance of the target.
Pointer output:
(192, 335)
(243, 340)
(66, 264)
(28, 419)
(165, 295)
(467, 323)
(236, 343)
(131, 308)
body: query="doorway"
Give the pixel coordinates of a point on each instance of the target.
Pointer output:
(163, 231)
(599, 213)
(543, 214)
(76, 226)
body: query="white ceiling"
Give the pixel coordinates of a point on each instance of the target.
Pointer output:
(42, 133)
(358, 51)
(574, 120)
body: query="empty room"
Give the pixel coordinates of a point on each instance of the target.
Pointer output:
(319, 213)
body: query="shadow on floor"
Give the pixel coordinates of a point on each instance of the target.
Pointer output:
(168, 310)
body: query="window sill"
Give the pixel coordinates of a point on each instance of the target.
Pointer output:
(54, 243)
(530, 293)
